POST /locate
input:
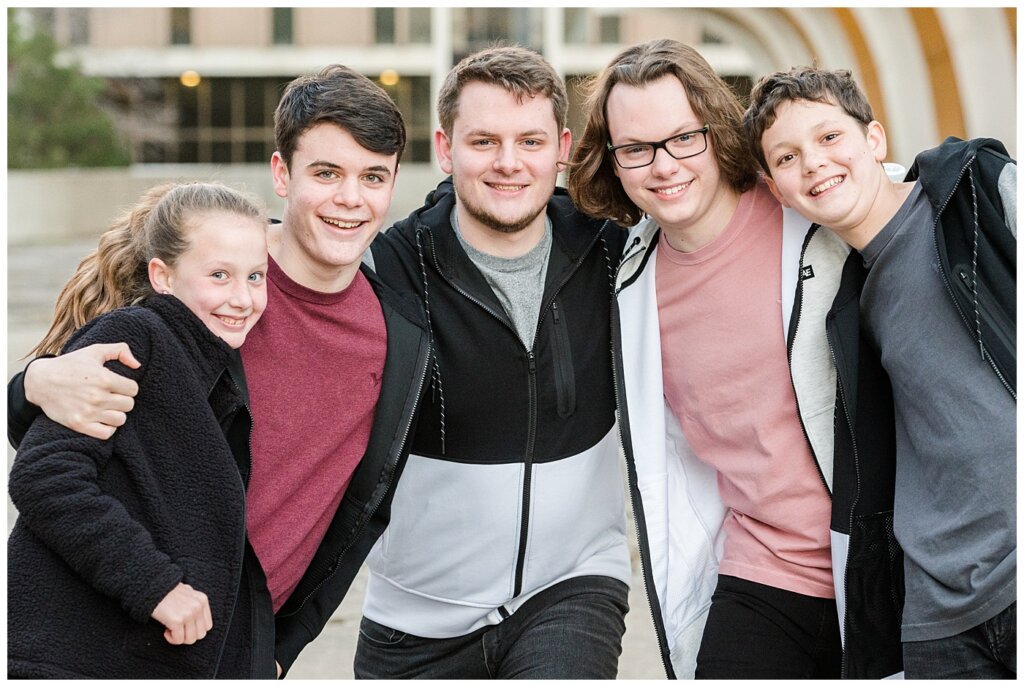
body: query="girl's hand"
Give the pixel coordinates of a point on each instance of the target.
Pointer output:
(185, 612)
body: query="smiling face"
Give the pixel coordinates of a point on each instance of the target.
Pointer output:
(503, 155)
(825, 165)
(688, 198)
(221, 276)
(337, 194)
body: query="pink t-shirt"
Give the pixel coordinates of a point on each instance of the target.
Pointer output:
(726, 378)
(314, 364)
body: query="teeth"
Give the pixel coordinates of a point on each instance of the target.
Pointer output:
(821, 188)
(230, 320)
(340, 224)
(672, 190)
(507, 187)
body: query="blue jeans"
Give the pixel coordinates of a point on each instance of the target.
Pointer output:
(571, 630)
(985, 652)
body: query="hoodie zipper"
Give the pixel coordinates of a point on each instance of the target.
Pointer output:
(645, 565)
(245, 529)
(532, 385)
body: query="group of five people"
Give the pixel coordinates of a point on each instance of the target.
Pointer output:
(809, 368)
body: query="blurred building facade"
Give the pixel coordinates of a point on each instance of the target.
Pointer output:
(929, 72)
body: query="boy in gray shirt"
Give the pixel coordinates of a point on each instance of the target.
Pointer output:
(934, 264)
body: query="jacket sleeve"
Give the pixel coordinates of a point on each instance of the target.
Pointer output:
(292, 633)
(20, 413)
(54, 484)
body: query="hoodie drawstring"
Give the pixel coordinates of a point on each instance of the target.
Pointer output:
(974, 265)
(435, 375)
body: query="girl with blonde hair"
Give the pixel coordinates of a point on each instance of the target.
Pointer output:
(129, 557)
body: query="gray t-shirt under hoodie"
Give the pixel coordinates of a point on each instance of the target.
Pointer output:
(956, 468)
(517, 282)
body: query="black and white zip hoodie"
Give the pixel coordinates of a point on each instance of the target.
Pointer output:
(676, 504)
(513, 482)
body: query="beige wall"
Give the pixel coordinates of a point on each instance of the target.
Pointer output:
(324, 26)
(227, 26)
(129, 27)
(641, 25)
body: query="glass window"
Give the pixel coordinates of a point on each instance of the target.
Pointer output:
(255, 111)
(384, 20)
(282, 26)
(257, 151)
(220, 102)
(609, 27)
(575, 24)
(181, 26)
(419, 24)
(221, 151)
(188, 106)
(188, 151)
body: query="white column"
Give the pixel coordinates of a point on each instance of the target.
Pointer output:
(441, 44)
(553, 37)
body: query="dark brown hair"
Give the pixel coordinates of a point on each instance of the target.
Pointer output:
(812, 84)
(592, 182)
(519, 71)
(116, 273)
(340, 96)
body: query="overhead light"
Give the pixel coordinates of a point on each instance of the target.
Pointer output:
(389, 77)
(190, 78)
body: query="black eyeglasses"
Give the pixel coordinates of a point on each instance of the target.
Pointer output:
(680, 146)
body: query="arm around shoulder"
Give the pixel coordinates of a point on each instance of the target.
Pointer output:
(80, 389)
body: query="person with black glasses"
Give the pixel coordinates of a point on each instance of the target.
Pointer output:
(729, 384)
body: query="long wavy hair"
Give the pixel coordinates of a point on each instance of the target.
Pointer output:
(593, 185)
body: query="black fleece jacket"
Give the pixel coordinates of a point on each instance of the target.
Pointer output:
(107, 528)
(364, 511)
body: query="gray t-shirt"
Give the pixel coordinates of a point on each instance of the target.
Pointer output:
(517, 282)
(955, 511)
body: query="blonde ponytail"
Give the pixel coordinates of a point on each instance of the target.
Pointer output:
(112, 276)
(116, 273)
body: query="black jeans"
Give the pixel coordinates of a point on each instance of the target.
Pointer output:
(756, 631)
(571, 630)
(985, 652)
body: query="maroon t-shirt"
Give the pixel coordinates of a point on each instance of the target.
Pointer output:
(314, 364)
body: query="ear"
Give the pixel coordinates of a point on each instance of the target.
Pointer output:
(564, 146)
(279, 170)
(775, 191)
(443, 148)
(876, 140)
(160, 277)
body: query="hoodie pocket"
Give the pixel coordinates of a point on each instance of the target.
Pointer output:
(565, 376)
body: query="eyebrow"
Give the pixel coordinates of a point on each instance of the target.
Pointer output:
(679, 130)
(378, 169)
(484, 132)
(826, 124)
